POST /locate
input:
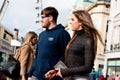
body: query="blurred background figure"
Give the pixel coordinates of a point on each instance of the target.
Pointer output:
(117, 77)
(93, 75)
(26, 55)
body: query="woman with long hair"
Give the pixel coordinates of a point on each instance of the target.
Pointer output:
(25, 55)
(81, 50)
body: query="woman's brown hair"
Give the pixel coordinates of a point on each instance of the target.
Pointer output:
(87, 24)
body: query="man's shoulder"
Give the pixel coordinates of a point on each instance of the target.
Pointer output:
(63, 32)
(61, 28)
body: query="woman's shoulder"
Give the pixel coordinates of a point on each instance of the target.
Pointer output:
(87, 39)
(25, 46)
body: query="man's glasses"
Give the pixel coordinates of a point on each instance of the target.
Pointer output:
(44, 16)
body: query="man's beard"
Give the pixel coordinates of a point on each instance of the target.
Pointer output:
(46, 25)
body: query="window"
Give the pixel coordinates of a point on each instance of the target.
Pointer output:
(113, 67)
(4, 36)
(88, 1)
(105, 0)
(3, 58)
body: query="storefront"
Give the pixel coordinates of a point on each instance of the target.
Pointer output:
(5, 49)
(2, 58)
(113, 63)
(113, 67)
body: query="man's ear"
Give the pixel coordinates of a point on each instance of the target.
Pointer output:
(50, 18)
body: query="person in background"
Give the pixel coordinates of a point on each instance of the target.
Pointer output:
(101, 77)
(26, 55)
(81, 50)
(93, 75)
(51, 45)
(117, 77)
(111, 77)
(99, 72)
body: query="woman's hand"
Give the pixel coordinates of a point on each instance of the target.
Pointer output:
(58, 72)
(50, 74)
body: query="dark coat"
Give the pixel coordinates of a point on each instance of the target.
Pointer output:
(81, 56)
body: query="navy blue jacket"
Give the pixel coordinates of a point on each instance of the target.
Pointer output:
(50, 49)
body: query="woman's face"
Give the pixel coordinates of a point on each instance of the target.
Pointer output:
(34, 40)
(74, 23)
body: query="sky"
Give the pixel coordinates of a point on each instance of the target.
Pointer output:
(21, 14)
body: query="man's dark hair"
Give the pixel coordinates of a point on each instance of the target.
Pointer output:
(50, 11)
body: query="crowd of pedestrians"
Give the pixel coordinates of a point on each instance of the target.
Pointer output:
(98, 75)
(54, 44)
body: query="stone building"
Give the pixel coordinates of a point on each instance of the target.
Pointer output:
(112, 49)
(5, 48)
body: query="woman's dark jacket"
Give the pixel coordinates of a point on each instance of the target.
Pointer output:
(81, 56)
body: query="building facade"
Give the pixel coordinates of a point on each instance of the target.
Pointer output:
(5, 38)
(99, 12)
(5, 48)
(113, 40)
(84, 4)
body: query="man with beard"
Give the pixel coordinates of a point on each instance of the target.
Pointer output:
(51, 45)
